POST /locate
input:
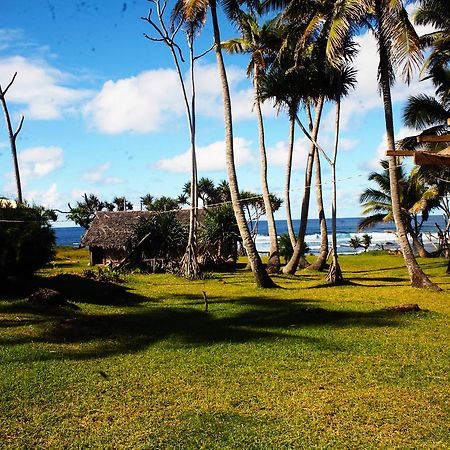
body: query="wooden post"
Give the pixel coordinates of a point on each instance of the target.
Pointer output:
(205, 299)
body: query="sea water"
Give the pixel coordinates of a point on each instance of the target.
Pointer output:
(383, 235)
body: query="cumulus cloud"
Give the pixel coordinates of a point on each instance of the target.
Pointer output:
(141, 104)
(98, 175)
(36, 162)
(40, 90)
(209, 158)
(366, 96)
(152, 99)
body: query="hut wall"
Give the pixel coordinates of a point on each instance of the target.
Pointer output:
(99, 255)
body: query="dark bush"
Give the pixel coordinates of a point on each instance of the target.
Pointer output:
(165, 236)
(26, 239)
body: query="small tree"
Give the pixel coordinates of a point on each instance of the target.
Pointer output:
(355, 242)
(26, 239)
(162, 235)
(366, 240)
(83, 214)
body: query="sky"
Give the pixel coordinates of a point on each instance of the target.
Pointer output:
(104, 113)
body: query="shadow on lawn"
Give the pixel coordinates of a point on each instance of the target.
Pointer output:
(83, 336)
(77, 289)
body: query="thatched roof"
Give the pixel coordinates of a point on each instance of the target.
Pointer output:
(117, 229)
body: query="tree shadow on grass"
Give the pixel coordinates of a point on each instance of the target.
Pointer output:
(76, 288)
(84, 336)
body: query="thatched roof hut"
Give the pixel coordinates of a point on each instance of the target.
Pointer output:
(112, 235)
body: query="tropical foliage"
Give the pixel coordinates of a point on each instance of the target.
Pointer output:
(26, 239)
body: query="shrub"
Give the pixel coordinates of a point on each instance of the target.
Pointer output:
(26, 239)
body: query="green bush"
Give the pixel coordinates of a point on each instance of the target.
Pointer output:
(26, 239)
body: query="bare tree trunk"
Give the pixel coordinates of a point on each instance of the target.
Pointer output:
(334, 275)
(260, 274)
(273, 264)
(416, 274)
(12, 138)
(287, 188)
(321, 260)
(299, 248)
(189, 266)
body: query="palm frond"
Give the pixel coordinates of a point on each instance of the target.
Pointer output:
(370, 222)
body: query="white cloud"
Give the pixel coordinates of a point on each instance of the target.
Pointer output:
(36, 162)
(97, 175)
(209, 158)
(39, 88)
(277, 155)
(380, 152)
(49, 198)
(150, 100)
(138, 104)
(366, 96)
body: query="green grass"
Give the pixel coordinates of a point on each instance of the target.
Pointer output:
(142, 365)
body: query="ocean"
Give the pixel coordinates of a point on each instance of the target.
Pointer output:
(382, 234)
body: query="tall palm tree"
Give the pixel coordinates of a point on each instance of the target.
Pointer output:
(398, 47)
(188, 9)
(284, 88)
(416, 202)
(259, 41)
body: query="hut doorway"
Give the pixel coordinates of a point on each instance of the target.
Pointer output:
(96, 256)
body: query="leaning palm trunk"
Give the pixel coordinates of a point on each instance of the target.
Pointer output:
(418, 246)
(273, 264)
(416, 274)
(260, 274)
(299, 248)
(334, 275)
(287, 188)
(321, 260)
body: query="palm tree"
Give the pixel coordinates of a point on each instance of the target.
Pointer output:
(398, 47)
(285, 89)
(416, 202)
(258, 41)
(188, 9)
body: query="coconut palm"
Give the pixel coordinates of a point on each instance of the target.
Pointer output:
(187, 10)
(416, 202)
(398, 48)
(259, 41)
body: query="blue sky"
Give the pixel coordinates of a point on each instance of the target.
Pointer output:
(103, 111)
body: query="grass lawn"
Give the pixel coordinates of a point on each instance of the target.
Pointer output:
(142, 365)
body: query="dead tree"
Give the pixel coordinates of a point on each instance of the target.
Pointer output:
(189, 265)
(12, 136)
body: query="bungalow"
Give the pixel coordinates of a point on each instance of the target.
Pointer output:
(112, 235)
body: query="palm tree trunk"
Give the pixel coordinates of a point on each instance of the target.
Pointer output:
(321, 260)
(416, 274)
(12, 139)
(334, 275)
(273, 264)
(287, 188)
(299, 248)
(260, 274)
